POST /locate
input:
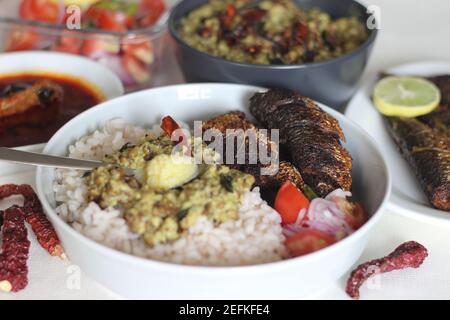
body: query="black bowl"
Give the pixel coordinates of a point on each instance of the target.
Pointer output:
(332, 82)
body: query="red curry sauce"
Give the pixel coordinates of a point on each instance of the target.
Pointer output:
(78, 96)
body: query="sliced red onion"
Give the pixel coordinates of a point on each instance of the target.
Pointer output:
(114, 63)
(338, 193)
(324, 215)
(293, 228)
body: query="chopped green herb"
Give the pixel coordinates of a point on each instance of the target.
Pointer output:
(86, 174)
(182, 214)
(308, 192)
(226, 182)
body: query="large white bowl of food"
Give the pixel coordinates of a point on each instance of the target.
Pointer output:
(168, 215)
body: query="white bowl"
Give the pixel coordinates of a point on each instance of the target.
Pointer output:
(134, 277)
(92, 73)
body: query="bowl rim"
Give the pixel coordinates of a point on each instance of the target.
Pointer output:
(119, 88)
(201, 269)
(172, 27)
(159, 27)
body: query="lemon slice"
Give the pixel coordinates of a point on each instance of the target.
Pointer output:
(406, 96)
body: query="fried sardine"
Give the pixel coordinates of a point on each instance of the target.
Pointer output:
(311, 135)
(237, 121)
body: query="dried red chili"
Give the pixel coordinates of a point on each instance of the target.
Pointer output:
(205, 32)
(169, 126)
(301, 32)
(8, 190)
(253, 50)
(15, 249)
(408, 255)
(42, 228)
(1, 219)
(230, 12)
(252, 14)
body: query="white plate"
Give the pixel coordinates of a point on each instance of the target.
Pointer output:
(407, 197)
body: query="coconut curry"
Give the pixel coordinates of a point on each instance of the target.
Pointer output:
(167, 192)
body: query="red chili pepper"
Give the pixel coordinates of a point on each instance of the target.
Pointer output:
(253, 50)
(252, 15)
(302, 32)
(169, 126)
(8, 190)
(15, 249)
(230, 12)
(42, 228)
(408, 255)
(205, 32)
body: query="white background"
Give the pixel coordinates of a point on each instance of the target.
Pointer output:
(410, 31)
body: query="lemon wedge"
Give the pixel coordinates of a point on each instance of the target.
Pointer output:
(406, 96)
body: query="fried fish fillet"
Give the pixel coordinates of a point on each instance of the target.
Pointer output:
(311, 135)
(440, 118)
(36, 104)
(425, 143)
(237, 121)
(428, 153)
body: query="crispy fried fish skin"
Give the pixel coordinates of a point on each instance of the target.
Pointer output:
(439, 119)
(311, 135)
(286, 171)
(443, 83)
(428, 152)
(285, 103)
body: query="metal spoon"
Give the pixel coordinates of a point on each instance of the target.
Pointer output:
(44, 160)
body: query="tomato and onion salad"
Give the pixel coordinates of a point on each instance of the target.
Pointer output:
(130, 57)
(311, 223)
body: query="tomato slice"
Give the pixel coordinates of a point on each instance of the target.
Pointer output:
(289, 201)
(68, 43)
(136, 68)
(114, 21)
(140, 49)
(356, 217)
(98, 46)
(151, 11)
(40, 10)
(354, 213)
(308, 241)
(22, 40)
(109, 15)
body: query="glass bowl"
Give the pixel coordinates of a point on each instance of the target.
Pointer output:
(135, 56)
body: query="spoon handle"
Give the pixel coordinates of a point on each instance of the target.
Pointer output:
(44, 160)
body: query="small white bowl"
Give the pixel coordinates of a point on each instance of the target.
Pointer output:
(134, 277)
(91, 73)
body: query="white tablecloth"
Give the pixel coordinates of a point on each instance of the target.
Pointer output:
(411, 31)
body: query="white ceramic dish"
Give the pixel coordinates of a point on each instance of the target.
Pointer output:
(407, 196)
(93, 74)
(135, 277)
